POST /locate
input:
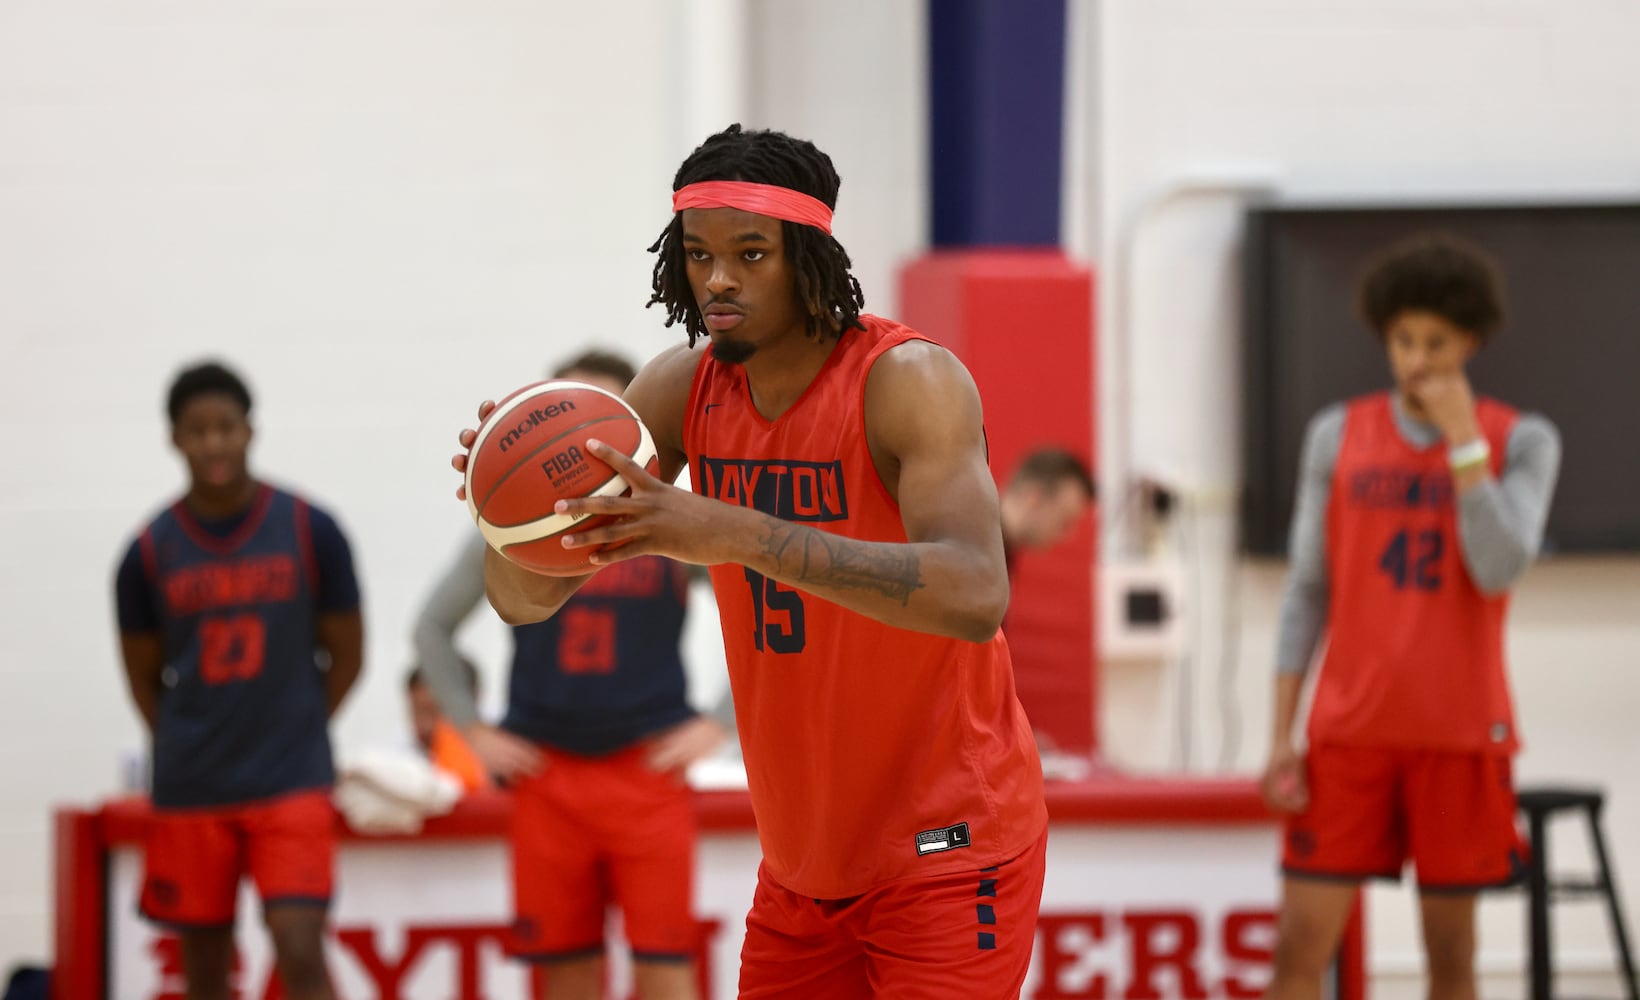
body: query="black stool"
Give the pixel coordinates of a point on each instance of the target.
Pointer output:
(1539, 805)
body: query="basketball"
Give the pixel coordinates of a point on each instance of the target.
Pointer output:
(532, 452)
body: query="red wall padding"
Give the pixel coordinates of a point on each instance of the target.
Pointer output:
(1022, 321)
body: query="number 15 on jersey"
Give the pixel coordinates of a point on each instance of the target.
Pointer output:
(770, 603)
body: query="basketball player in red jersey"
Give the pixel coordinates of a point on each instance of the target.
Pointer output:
(1417, 511)
(843, 502)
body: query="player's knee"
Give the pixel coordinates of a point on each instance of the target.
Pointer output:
(209, 987)
(304, 974)
(1449, 952)
(665, 980)
(576, 979)
(299, 952)
(208, 960)
(1449, 938)
(1303, 947)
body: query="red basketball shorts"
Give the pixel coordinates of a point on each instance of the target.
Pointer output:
(1452, 814)
(194, 858)
(591, 832)
(967, 934)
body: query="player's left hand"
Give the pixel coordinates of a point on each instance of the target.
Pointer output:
(1284, 783)
(683, 744)
(653, 518)
(468, 435)
(1449, 403)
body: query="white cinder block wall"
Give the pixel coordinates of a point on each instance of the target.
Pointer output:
(1192, 104)
(386, 212)
(382, 213)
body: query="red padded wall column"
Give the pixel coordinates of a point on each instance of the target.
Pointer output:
(1022, 321)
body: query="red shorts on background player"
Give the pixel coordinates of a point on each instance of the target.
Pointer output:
(1417, 510)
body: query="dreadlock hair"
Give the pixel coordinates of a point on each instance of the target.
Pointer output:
(203, 379)
(830, 294)
(1439, 273)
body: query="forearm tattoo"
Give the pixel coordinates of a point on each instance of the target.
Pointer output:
(811, 556)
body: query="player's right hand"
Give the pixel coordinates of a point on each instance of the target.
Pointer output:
(1283, 785)
(683, 744)
(504, 755)
(467, 436)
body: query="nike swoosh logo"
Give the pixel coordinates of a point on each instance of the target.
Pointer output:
(710, 405)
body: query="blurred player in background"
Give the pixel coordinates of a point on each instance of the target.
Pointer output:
(1042, 501)
(1049, 491)
(1417, 510)
(436, 737)
(241, 634)
(595, 742)
(843, 501)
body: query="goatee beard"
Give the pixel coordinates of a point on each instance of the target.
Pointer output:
(732, 352)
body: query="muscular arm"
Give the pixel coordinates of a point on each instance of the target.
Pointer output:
(341, 636)
(1500, 521)
(142, 641)
(924, 425)
(339, 625)
(144, 656)
(520, 596)
(453, 598)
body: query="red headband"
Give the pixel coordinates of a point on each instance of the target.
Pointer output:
(761, 199)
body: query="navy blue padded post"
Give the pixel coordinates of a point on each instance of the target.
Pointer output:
(996, 98)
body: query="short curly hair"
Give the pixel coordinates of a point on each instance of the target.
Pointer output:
(1438, 273)
(205, 378)
(1051, 466)
(596, 362)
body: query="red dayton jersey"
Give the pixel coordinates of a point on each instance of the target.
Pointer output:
(1415, 651)
(872, 752)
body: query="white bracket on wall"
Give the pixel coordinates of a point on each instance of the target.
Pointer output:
(1141, 612)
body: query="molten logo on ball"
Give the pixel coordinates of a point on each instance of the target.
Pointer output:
(535, 418)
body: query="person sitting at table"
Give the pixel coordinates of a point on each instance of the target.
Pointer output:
(439, 741)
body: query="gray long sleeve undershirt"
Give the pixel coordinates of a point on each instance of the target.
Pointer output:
(1500, 522)
(454, 597)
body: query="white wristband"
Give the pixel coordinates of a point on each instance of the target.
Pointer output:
(1469, 454)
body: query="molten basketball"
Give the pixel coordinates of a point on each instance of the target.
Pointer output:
(532, 452)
